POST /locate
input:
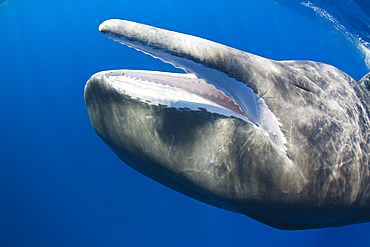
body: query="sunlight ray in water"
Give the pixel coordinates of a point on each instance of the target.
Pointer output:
(347, 17)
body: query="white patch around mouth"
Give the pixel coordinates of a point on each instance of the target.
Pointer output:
(180, 90)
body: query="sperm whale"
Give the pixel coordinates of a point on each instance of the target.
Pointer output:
(283, 142)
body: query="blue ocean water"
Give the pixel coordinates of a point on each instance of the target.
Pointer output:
(60, 185)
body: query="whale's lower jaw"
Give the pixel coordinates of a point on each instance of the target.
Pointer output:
(196, 151)
(206, 155)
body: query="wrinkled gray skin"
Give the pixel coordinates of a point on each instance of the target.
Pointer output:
(322, 180)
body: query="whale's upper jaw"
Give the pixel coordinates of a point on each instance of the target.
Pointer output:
(313, 175)
(209, 62)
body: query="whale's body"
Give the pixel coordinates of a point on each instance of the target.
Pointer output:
(285, 143)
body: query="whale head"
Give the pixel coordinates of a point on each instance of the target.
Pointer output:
(283, 142)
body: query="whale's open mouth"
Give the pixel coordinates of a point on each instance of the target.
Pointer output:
(201, 88)
(177, 90)
(180, 90)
